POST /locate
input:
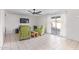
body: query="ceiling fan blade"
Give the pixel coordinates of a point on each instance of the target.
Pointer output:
(38, 12)
(29, 11)
(34, 12)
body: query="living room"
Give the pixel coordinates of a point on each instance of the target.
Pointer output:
(42, 20)
(49, 29)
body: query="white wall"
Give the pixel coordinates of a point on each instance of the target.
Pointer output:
(41, 20)
(63, 25)
(32, 19)
(2, 27)
(72, 31)
(48, 25)
(13, 21)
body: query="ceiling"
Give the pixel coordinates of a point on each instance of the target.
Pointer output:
(44, 11)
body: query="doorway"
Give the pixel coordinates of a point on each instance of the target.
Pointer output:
(56, 25)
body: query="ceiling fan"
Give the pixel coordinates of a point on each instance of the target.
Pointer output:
(34, 12)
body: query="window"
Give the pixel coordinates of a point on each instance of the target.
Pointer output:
(56, 22)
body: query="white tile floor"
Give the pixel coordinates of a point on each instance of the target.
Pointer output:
(45, 42)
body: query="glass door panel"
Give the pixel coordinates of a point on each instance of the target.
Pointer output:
(55, 26)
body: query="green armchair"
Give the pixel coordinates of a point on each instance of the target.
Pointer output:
(40, 30)
(24, 32)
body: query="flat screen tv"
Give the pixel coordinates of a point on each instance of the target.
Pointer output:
(24, 20)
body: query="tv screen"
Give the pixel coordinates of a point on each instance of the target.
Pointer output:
(24, 20)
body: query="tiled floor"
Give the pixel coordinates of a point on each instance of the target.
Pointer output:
(45, 42)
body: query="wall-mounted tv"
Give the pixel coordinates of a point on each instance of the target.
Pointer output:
(24, 20)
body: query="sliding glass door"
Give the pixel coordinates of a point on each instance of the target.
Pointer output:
(56, 25)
